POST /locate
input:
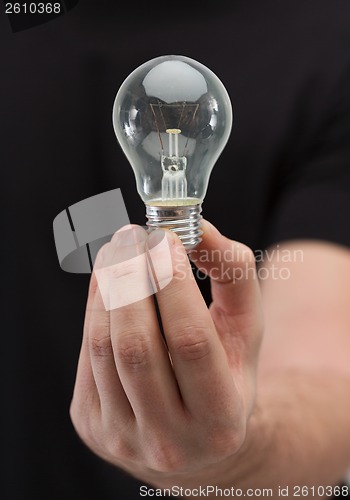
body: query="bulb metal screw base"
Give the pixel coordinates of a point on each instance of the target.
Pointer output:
(184, 220)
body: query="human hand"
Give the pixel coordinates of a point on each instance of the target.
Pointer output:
(164, 411)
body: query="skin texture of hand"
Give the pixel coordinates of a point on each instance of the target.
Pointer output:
(189, 411)
(164, 410)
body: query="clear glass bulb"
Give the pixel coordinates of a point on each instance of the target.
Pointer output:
(172, 117)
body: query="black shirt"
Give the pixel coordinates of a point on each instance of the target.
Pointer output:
(284, 174)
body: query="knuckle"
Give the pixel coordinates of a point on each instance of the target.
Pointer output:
(133, 350)
(100, 346)
(193, 343)
(106, 439)
(120, 448)
(226, 442)
(166, 457)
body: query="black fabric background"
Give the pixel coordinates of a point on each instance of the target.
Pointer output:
(285, 174)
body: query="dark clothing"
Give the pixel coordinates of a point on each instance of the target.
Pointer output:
(284, 174)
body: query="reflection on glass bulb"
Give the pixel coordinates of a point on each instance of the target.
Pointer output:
(172, 117)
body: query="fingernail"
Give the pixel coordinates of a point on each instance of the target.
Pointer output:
(129, 235)
(160, 257)
(157, 236)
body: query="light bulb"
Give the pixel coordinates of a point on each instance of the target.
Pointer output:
(172, 117)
